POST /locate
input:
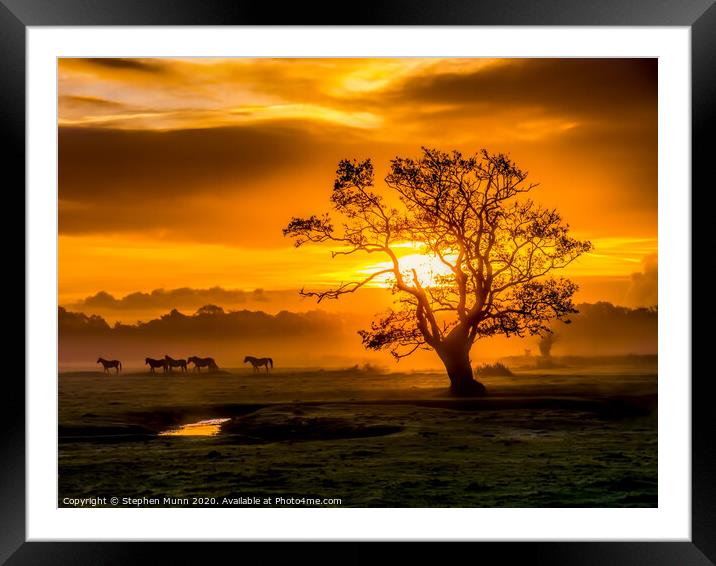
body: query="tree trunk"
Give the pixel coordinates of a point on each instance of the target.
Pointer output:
(455, 354)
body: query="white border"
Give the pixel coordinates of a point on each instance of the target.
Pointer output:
(670, 521)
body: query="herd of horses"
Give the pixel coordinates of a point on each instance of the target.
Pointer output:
(167, 364)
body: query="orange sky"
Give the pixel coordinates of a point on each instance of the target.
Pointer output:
(182, 172)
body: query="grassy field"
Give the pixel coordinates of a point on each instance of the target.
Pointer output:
(585, 438)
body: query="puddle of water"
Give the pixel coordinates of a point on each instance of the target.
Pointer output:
(208, 427)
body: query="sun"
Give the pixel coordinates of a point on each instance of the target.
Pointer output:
(428, 267)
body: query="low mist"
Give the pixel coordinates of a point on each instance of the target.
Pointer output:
(321, 339)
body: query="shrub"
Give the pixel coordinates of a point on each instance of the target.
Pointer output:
(493, 370)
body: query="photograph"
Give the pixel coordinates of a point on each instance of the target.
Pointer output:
(335, 282)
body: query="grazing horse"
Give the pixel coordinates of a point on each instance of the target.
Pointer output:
(172, 363)
(116, 364)
(203, 363)
(258, 362)
(152, 363)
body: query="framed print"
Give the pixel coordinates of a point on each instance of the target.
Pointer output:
(292, 278)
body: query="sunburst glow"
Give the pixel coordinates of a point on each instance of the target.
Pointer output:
(428, 268)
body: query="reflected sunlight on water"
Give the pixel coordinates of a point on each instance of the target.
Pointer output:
(208, 427)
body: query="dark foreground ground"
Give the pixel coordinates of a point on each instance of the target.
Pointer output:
(581, 437)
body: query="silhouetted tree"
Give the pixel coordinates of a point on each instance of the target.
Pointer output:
(209, 310)
(470, 214)
(545, 344)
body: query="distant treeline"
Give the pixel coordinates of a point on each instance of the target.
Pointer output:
(168, 298)
(603, 329)
(313, 336)
(210, 331)
(209, 319)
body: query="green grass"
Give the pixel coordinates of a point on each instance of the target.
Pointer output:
(370, 440)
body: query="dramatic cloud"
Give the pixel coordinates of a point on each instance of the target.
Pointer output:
(89, 103)
(105, 164)
(166, 136)
(232, 185)
(597, 88)
(144, 66)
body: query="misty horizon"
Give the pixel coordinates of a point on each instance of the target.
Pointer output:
(318, 338)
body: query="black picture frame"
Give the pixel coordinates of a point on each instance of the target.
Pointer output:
(17, 15)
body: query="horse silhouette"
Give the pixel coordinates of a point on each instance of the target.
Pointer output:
(152, 363)
(258, 362)
(203, 363)
(172, 363)
(116, 364)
